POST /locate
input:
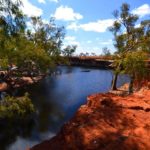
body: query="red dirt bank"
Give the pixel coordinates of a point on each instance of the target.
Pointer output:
(106, 122)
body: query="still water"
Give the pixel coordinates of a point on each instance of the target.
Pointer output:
(56, 99)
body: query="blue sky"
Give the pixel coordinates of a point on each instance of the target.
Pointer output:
(86, 21)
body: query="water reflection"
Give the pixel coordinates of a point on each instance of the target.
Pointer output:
(56, 99)
(11, 130)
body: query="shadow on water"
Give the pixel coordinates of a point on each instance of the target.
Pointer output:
(56, 99)
(10, 130)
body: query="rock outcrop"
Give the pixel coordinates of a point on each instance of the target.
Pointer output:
(106, 122)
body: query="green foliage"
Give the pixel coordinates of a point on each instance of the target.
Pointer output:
(128, 37)
(135, 65)
(48, 36)
(12, 24)
(69, 50)
(12, 19)
(34, 50)
(106, 51)
(16, 108)
(27, 53)
(123, 29)
(145, 38)
(4, 63)
(131, 43)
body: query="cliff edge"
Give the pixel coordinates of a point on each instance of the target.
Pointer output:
(106, 122)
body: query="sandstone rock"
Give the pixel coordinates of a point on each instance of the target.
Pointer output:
(107, 122)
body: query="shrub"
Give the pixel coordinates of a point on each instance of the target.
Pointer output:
(16, 108)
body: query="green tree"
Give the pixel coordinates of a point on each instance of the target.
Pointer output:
(69, 50)
(38, 49)
(48, 37)
(131, 43)
(135, 66)
(33, 52)
(145, 37)
(123, 30)
(12, 24)
(106, 51)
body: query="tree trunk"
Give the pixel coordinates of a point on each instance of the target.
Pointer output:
(114, 82)
(131, 85)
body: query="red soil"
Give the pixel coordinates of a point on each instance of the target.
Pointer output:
(106, 122)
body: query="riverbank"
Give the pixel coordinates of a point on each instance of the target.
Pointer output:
(20, 82)
(91, 61)
(106, 122)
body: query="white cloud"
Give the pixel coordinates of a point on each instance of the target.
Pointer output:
(87, 49)
(56, 1)
(29, 25)
(42, 1)
(142, 10)
(99, 26)
(94, 47)
(73, 26)
(30, 10)
(66, 13)
(74, 43)
(137, 25)
(45, 21)
(107, 42)
(71, 40)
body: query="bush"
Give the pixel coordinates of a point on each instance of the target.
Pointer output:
(16, 108)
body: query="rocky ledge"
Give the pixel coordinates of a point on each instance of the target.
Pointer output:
(19, 82)
(106, 122)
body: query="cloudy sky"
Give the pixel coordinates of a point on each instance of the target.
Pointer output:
(86, 21)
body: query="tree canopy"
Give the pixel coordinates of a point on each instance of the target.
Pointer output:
(131, 43)
(69, 50)
(32, 49)
(25, 51)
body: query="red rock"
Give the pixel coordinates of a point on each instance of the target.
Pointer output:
(3, 86)
(106, 122)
